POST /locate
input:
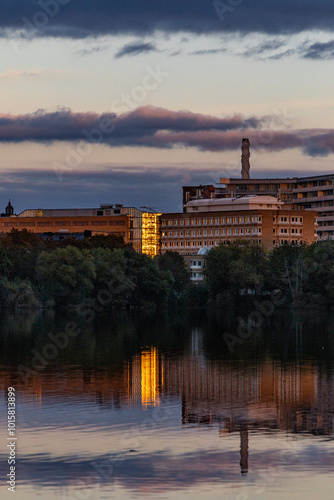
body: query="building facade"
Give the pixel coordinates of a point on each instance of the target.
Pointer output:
(138, 228)
(256, 219)
(303, 193)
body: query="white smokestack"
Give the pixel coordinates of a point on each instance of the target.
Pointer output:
(245, 166)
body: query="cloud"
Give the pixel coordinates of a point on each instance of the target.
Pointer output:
(153, 127)
(126, 128)
(82, 18)
(134, 49)
(206, 52)
(261, 49)
(92, 50)
(157, 185)
(320, 50)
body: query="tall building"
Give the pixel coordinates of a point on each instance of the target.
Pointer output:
(314, 193)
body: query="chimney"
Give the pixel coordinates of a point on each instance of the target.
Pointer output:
(245, 159)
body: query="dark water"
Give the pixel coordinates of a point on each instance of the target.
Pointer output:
(159, 407)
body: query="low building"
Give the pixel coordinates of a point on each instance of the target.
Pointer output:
(256, 219)
(140, 229)
(195, 265)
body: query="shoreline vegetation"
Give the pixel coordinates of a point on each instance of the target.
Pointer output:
(103, 271)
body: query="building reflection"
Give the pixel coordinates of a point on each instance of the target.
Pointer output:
(145, 378)
(236, 397)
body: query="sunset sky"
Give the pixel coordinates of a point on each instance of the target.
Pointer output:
(123, 101)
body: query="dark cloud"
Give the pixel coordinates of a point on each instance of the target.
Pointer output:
(82, 18)
(157, 186)
(132, 128)
(153, 127)
(133, 49)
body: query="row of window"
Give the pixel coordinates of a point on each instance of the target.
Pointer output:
(196, 263)
(188, 244)
(212, 232)
(220, 220)
(196, 275)
(286, 242)
(284, 230)
(295, 220)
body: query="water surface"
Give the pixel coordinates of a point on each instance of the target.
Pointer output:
(141, 406)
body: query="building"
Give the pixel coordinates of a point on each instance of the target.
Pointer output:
(256, 219)
(195, 264)
(303, 193)
(140, 229)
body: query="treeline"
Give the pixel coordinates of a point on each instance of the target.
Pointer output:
(102, 271)
(300, 274)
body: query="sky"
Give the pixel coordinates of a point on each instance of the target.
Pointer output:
(120, 101)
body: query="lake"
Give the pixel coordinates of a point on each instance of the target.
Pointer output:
(169, 406)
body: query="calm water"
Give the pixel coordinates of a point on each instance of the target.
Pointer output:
(157, 407)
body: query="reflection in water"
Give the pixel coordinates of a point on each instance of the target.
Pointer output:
(145, 378)
(280, 381)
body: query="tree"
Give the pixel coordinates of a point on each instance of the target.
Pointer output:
(231, 269)
(65, 275)
(289, 271)
(175, 264)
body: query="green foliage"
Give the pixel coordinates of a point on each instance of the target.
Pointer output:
(37, 273)
(174, 263)
(236, 268)
(17, 293)
(65, 275)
